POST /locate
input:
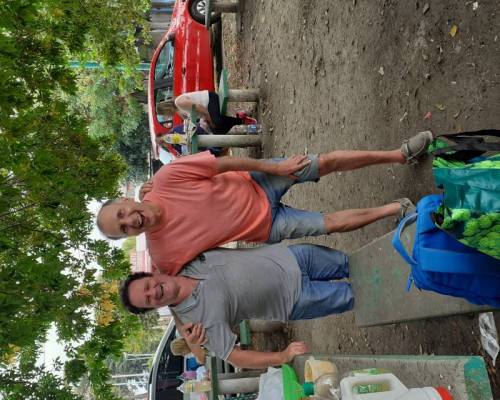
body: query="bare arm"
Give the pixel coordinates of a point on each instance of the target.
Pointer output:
(196, 334)
(261, 359)
(192, 333)
(198, 352)
(185, 104)
(284, 168)
(203, 112)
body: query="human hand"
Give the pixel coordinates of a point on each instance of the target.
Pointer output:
(193, 333)
(145, 188)
(291, 165)
(208, 119)
(294, 349)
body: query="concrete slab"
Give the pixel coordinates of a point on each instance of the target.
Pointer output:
(379, 277)
(464, 376)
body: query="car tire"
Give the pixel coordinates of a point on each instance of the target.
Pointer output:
(197, 11)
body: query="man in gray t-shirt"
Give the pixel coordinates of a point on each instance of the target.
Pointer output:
(222, 287)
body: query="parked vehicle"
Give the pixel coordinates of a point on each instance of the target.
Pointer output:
(163, 381)
(182, 62)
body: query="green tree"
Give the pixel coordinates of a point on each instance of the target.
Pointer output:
(134, 147)
(129, 245)
(28, 381)
(50, 168)
(104, 99)
(35, 384)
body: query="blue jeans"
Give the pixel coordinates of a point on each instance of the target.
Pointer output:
(319, 295)
(289, 222)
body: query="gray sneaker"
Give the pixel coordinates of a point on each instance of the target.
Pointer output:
(416, 146)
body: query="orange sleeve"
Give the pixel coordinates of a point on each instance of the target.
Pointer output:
(197, 166)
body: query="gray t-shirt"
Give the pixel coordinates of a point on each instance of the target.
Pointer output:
(258, 283)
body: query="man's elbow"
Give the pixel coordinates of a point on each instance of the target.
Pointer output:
(237, 358)
(223, 164)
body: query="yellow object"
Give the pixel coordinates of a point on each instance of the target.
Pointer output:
(453, 30)
(196, 386)
(313, 369)
(174, 138)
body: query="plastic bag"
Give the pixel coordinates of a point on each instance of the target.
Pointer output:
(489, 335)
(470, 211)
(271, 385)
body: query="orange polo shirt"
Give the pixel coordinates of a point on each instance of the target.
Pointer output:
(203, 209)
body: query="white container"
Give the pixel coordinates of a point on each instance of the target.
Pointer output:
(393, 389)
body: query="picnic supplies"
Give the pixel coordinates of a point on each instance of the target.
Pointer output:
(391, 388)
(470, 211)
(313, 369)
(271, 385)
(195, 386)
(442, 264)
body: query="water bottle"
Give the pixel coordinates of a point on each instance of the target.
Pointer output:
(325, 387)
(253, 129)
(195, 386)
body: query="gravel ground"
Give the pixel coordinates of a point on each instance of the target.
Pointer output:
(366, 75)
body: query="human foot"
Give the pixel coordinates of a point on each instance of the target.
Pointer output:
(415, 147)
(406, 206)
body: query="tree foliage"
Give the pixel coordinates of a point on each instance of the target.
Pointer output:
(104, 100)
(29, 381)
(50, 169)
(134, 147)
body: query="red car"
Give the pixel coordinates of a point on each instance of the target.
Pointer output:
(183, 62)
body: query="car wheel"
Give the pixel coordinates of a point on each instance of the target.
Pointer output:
(197, 10)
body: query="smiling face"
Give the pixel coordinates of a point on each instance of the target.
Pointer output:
(126, 217)
(153, 291)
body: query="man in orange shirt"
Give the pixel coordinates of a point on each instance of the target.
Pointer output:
(199, 202)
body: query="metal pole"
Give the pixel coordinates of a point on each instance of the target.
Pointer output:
(229, 140)
(144, 374)
(241, 385)
(242, 374)
(242, 95)
(159, 26)
(138, 355)
(261, 326)
(225, 6)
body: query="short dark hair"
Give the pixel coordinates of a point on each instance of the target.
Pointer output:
(98, 222)
(124, 297)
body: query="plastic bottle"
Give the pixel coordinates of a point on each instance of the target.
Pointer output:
(324, 387)
(314, 368)
(195, 386)
(174, 138)
(253, 129)
(395, 389)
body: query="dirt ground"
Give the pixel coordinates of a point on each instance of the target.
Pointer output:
(364, 75)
